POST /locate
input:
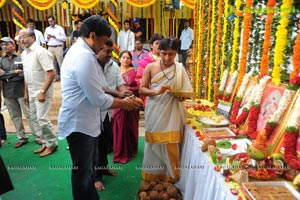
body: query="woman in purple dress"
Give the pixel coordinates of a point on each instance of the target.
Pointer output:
(125, 123)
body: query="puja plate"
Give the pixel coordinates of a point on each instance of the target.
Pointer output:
(207, 122)
(218, 133)
(249, 190)
(186, 94)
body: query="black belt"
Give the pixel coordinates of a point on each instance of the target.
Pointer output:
(54, 46)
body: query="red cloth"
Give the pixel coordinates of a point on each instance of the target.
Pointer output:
(125, 126)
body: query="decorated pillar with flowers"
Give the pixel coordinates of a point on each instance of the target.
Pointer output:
(18, 15)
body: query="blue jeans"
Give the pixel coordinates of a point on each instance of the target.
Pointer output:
(83, 150)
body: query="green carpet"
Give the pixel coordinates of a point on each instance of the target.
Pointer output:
(49, 178)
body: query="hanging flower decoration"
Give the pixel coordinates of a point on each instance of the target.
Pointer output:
(245, 42)
(200, 46)
(206, 85)
(224, 37)
(211, 51)
(281, 40)
(255, 107)
(231, 85)
(112, 7)
(245, 112)
(42, 4)
(190, 3)
(2, 2)
(18, 12)
(290, 137)
(296, 58)
(264, 63)
(139, 3)
(218, 46)
(85, 3)
(223, 84)
(238, 99)
(236, 39)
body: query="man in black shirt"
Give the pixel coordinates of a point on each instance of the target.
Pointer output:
(11, 74)
(138, 30)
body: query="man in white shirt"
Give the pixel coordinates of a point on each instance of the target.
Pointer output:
(126, 38)
(186, 37)
(55, 37)
(83, 99)
(39, 38)
(39, 74)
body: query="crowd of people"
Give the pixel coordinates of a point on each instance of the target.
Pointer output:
(100, 97)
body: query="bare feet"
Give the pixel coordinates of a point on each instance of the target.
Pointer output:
(99, 186)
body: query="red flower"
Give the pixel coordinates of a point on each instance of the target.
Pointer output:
(295, 80)
(235, 109)
(253, 117)
(289, 144)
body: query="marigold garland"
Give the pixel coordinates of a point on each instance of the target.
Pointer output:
(245, 43)
(189, 3)
(207, 50)
(85, 3)
(139, 3)
(2, 2)
(211, 50)
(199, 45)
(218, 43)
(296, 57)
(236, 34)
(41, 5)
(224, 37)
(264, 63)
(281, 39)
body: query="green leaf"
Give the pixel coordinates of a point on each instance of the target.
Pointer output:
(213, 156)
(270, 148)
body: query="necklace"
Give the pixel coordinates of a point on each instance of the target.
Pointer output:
(165, 74)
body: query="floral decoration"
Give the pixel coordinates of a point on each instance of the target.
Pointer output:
(139, 3)
(281, 40)
(290, 136)
(264, 63)
(42, 4)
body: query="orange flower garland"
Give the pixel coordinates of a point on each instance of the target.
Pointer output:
(207, 50)
(139, 3)
(264, 63)
(245, 44)
(218, 44)
(2, 2)
(296, 58)
(41, 4)
(190, 3)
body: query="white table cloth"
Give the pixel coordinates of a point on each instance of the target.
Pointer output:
(198, 180)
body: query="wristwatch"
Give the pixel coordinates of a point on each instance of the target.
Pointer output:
(42, 91)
